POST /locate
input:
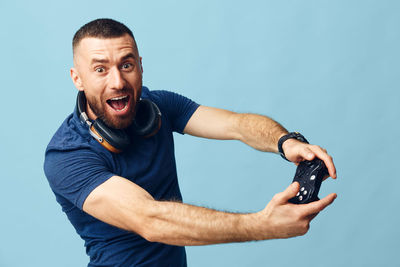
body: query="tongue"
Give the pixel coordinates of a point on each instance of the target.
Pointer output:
(117, 104)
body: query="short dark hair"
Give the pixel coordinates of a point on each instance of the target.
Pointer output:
(101, 28)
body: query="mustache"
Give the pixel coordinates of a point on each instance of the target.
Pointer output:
(126, 90)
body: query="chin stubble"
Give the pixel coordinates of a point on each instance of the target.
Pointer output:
(99, 111)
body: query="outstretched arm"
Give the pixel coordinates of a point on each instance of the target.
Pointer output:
(121, 203)
(257, 131)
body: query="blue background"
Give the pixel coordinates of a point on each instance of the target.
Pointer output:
(329, 69)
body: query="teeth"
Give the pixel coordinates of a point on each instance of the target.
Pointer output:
(119, 98)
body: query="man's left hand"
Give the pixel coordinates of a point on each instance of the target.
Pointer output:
(297, 151)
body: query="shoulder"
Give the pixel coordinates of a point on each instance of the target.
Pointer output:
(73, 174)
(70, 135)
(71, 148)
(177, 108)
(168, 100)
(160, 97)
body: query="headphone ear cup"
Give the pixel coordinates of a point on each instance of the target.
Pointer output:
(147, 120)
(114, 140)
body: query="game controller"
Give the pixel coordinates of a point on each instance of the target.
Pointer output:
(309, 174)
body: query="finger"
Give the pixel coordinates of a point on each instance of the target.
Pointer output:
(326, 159)
(317, 206)
(307, 153)
(289, 192)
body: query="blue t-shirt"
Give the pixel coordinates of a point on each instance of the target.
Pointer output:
(75, 164)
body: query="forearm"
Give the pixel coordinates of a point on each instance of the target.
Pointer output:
(259, 132)
(182, 224)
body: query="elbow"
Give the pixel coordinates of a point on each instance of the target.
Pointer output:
(149, 235)
(145, 225)
(236, 125)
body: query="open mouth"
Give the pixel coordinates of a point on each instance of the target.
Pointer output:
(118, 103)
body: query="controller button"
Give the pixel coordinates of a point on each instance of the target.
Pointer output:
(302, 189)
(312, 178)
(298, 194)
(305, 192)
(300, 198)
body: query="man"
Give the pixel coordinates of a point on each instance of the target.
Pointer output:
(125, 203)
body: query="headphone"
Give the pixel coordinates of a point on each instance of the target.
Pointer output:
(146, 123)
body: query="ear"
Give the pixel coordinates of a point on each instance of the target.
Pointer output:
(76, 79)
(141, 65)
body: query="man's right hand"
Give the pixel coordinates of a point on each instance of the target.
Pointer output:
(282, 219)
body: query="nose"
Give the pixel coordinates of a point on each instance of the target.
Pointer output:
(116, 81)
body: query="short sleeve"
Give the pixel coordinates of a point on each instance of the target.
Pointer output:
(178, 108)
(75, 174)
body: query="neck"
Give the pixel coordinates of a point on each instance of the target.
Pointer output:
(90, 113)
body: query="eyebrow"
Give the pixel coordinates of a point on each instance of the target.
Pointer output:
(103, 60)
(129, 55)
(98, 60)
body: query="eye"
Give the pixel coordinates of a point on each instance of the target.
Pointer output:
(99, 69)
(126, 66)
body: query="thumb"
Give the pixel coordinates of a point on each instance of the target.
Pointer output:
(290, 192)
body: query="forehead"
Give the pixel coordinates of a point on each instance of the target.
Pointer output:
(90, 47)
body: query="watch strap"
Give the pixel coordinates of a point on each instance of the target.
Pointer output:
(295, 135)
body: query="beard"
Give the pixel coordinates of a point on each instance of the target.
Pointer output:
(116, 122)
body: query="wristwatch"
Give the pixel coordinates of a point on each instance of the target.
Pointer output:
(295, 135)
